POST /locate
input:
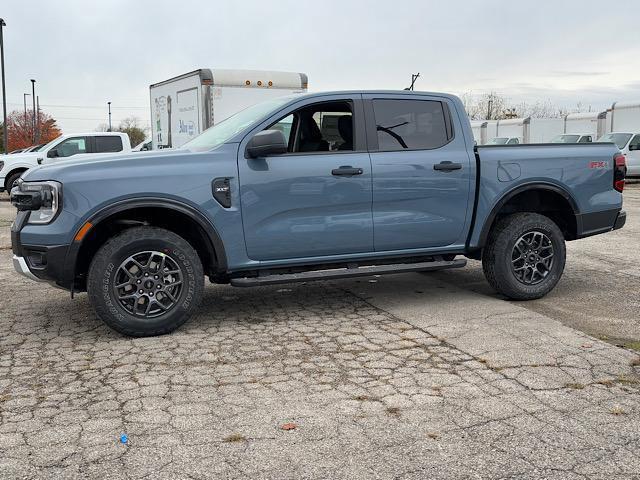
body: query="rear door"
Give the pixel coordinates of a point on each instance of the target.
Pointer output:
(421, 171)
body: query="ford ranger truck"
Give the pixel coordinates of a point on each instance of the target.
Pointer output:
(311, 187)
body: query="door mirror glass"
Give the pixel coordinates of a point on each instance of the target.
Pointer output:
(267, 142)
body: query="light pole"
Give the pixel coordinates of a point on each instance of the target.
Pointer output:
(24, 97)
(109, 104)
(4, 93)
(33, 97)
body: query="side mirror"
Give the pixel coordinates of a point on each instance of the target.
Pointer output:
(267, 142)
(53, 153)
(634, 147)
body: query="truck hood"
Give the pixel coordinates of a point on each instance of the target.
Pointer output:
(22, 158)
(118, 165)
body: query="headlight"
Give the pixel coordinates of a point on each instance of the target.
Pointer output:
(42, 199)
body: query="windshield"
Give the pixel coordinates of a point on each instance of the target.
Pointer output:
(566, 139)
(498, 141)
(50, 144)
(226, 129)
(620, 139)
(36, 148)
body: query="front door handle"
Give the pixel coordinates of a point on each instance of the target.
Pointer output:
(447, 166)
(346, 170)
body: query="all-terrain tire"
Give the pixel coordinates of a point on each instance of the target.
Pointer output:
(107, 267)
(500, 251)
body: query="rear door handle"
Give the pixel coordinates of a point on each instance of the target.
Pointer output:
(447, 166)
(347, 170)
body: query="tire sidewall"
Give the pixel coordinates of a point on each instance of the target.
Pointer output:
(505, 269)
(118, 317)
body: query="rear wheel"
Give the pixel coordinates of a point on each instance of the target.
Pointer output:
(525, 256)
(146, 281)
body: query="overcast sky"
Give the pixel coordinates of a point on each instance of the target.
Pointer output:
(85, 53)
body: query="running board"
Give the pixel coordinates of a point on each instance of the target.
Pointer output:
(274, 279)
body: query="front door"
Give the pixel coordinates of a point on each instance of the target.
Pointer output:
(314, 200)
(633, 157)
(421, 172)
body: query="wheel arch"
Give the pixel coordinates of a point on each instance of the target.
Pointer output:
(16, 169)
(565, 213)
(176, 216)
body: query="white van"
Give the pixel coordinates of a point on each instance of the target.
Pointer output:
(184, 106)
(629, 145)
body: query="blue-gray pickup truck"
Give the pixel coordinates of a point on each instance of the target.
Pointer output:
(310, 187)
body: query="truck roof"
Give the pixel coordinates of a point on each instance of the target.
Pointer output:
(243, 78)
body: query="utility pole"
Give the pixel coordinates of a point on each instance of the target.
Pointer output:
(109, 104)
(5, 139)
(33, 97)
(38, 115)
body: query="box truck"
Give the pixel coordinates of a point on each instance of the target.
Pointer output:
(625, 117)
(184, 106)
(586, 123)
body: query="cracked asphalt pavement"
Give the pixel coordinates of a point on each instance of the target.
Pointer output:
(407, 376)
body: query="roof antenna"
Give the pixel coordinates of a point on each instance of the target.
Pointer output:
(414, 77)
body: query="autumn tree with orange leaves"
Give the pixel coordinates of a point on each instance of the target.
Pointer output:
(20, 129)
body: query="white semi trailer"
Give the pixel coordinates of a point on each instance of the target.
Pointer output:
(184, 106)
(625, 117)
(583, 123)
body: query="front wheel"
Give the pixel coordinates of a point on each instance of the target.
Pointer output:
(525, 256)
(145, 281)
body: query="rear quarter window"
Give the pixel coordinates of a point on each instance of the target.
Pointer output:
(110, 143)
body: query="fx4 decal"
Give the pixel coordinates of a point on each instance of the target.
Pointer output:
(597, 164)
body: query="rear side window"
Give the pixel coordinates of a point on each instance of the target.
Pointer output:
(110, 143)
(410, 124)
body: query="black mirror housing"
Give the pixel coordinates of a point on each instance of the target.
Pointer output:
(265, 143)
(53, 153)
(633, 148)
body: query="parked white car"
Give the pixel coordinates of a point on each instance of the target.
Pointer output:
(573, 138)
(629, 145)
(504, 141)
(76, 145)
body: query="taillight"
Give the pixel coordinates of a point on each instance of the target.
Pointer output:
(619, 171)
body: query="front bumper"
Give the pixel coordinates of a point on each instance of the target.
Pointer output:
(42, 263)
(20, 266)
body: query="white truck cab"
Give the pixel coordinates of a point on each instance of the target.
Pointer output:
(76, 145)
(629, 145)
(573, 138)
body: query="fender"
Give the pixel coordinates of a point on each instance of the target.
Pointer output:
(216, 247)
(516, 191)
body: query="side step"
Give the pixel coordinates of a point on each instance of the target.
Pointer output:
(346, 273)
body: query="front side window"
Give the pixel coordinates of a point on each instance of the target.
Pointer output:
(72, 146)
(585, 139)
(410, 124)
(323, 127)
(513, 141)
(108, 143)
(634, 144)
(498, 141)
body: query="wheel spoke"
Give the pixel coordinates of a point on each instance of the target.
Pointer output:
(143, 275)
(532, 257)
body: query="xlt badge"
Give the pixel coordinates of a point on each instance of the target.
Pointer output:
(222, 191)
